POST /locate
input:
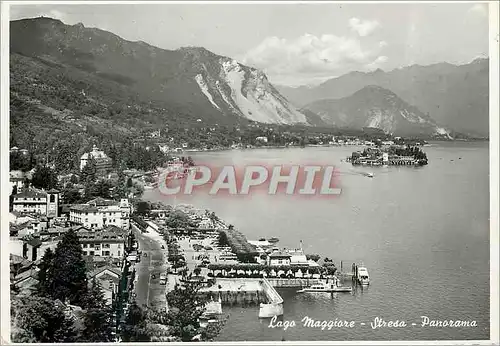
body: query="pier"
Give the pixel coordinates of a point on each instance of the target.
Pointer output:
(246, 291)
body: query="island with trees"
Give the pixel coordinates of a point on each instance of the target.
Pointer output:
(389, 155)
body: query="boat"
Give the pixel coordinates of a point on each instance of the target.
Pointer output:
(369, 175)
(326, 287)
(273, 240)
(362, 275)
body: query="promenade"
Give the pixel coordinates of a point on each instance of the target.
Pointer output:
(148, 291)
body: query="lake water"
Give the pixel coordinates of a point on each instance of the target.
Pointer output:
(423, 234)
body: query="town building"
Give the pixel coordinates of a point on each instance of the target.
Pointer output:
(26, 282)
(385, 158)
(109, 242)
(102, 162)
(30, 201)
(298, 258)
(279, 258)
(20, 151)
(37, 202)
(108, 278)
(99, 213)
(17, 182)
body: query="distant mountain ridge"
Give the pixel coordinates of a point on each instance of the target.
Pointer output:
(456, 96)
(193, 79)
(376, 107)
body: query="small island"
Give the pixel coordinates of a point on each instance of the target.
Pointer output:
(391, 155)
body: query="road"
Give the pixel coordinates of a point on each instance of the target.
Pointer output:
(148, 290)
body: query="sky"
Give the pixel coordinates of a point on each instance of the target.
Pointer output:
(296, 44)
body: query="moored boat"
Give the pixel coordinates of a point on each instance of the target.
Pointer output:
(362, 275)
(325, 287)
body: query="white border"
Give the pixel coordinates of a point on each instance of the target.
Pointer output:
(4, 173)
(494, 168)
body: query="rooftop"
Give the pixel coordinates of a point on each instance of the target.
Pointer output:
(99, 202)
(280, 254)
(95, 153)
(109, 268)
(106, 235)
(30, 194)
(84, 208)
(34, 242)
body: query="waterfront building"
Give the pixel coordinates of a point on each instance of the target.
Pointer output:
(385, 158)
(261, 139)
(99, 213)
(279, 258)
(298, 258)
(102, 161)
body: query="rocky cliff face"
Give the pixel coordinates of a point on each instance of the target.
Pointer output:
(234, 88)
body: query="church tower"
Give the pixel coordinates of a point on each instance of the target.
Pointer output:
(52, 203)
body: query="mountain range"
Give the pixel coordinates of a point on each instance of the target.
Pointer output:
(80, 76)
(455, 96)
(192, 79)
(375, 107)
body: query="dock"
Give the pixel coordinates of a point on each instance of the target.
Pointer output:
(246, 292)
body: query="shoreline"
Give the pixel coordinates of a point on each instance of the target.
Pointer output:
(319, 146)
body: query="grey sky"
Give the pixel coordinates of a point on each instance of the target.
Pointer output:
(296, 43)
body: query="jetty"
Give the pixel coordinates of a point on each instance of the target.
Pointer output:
(245, 291)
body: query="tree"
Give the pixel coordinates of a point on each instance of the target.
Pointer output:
(71, 196)
(89, 171)
(44, 178)
(313, 257)
(135, 329)
(120, 190)
(143, 208)
(46, 275)
(88, 188)
(189, 161)
(186, 306)
(102, 189)
(98, 320)
(69, 271)
(11, 197)
(129, 182)
(74, 179)
(179, 219)
(330, 268)
(40, 319)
